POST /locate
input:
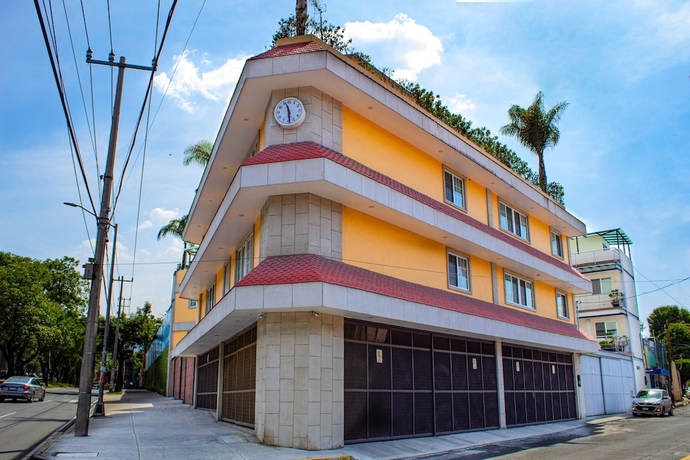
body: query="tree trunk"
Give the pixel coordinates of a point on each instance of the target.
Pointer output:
(542, 172)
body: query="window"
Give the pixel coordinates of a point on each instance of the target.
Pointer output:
(244, 258)
(226, 278)
(191, 304)
(519, 291)
(601, 286)
(458, 272)
(454, 189)
(513, 221)
(210, 298)
(255, 148)
(556, 244)
(606, 328)
(562, 305)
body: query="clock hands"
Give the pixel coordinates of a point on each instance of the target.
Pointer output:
(287, 106)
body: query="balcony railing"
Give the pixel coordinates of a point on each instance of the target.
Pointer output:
(601, 257)
(589, 302)
(617, 343)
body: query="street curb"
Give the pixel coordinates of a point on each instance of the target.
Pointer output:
(37, 453)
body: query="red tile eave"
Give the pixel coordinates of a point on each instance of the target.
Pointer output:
(290, 49)
(307, 268)
(310, 150)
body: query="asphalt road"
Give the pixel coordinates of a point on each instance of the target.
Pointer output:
(24, 425)
(666, 438)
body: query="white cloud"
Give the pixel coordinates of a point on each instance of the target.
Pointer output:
(403, 39)
(162, 216)
(189, 82)
(145, 225)
(460, 103)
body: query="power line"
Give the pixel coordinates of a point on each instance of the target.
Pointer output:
(58, 79)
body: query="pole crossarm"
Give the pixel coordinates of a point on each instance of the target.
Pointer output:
(121, 65)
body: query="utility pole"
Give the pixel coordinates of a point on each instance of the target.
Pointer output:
(301, 17)
(86, 375)
(99, 410)
(116, 365)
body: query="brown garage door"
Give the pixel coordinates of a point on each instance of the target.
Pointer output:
(404, 383)
(539, 386)
(239, 379)
(207, 380)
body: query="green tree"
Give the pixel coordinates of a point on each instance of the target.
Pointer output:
(536, 129)
(671, 313)
(199, 153)
(683, 365)
(328, 33)
(137, 331)
(174, 228)
(41, 314)
(679, 335)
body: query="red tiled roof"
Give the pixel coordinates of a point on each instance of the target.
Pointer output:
(289, 49)
(307, 268)
(310, 150)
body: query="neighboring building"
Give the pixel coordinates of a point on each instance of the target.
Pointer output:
(610, 314)
(366, 273)
(185, 315)
(656, 364)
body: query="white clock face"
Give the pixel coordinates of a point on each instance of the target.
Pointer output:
(289, 113)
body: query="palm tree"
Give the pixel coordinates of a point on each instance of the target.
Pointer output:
(175, 227)
(199, 153)
(536, 129)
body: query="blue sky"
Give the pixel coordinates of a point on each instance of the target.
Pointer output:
(623, 66)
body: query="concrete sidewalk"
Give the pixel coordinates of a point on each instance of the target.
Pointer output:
(144, 425)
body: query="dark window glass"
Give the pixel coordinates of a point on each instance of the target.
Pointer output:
(422, 340)
(441, 343)
(401, 338)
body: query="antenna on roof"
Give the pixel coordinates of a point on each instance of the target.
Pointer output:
(301, 17)
(321, 7)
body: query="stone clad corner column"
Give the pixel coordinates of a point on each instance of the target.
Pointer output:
(579, 390)
(299, 380)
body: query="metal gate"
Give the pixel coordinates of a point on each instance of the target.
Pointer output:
(539, 386)
(404, 383)
(207, 380)
(239, 379)
(609, 383)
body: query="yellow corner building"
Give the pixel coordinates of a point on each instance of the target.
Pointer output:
(366, 273)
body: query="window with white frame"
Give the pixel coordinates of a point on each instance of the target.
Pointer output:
(556, 244)
(255, 148)
(602, 285)
(562, 305)
(519, 291)
(226, 278)
(454, 189)
(191, 304)
(458, 272)
(606, 328)
(244, 258)
(210, 298)
(513, 221)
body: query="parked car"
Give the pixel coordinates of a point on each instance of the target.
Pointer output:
(652, 402)
(19, 387)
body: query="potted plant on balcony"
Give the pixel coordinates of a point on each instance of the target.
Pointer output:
(616, 297)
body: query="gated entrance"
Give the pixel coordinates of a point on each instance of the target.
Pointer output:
(207, 380)
(403, 383)
(239, 379)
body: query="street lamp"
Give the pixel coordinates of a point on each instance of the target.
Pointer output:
(100, 405)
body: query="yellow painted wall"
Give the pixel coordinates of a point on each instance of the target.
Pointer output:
(378, 246)
(383, 152)
(177, 336)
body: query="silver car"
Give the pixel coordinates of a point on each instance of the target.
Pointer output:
(20, 387)
(652, 402)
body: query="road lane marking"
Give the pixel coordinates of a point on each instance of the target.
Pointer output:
(7, 415)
